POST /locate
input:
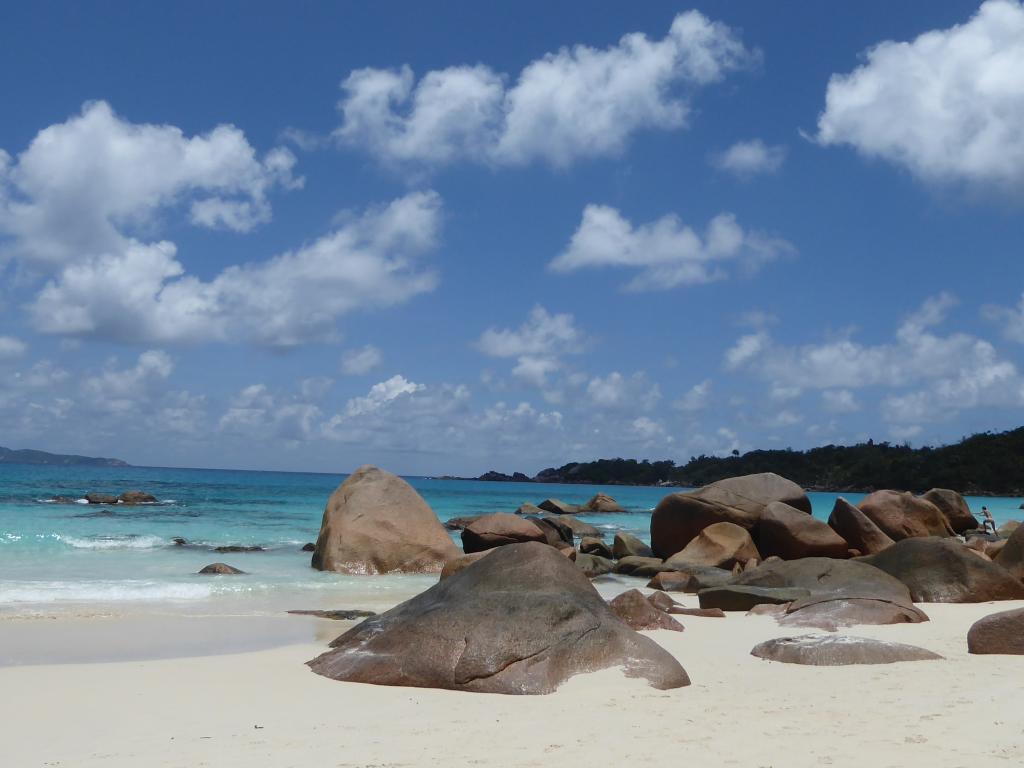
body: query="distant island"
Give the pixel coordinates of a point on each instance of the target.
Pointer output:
(985, 464)
(28, 456)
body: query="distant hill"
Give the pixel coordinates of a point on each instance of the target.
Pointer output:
(27, 456)
(983, 464)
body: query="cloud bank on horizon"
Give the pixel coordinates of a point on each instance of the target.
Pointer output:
(618, 245)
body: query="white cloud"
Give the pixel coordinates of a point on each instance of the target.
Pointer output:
(380, 394)
(356, 362)
(616, 391)
(749, 158)
(143, 293)
(948, 106)
(695, 398)
(81, 184)
(574, 103)
(537, 345)
(666, 252)
(839, 401)
(256, 413)
(128, 390)
(1011, 319)
(11, 347)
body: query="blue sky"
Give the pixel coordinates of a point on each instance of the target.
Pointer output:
(453, 237)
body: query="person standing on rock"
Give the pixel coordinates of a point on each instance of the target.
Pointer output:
(987, 520)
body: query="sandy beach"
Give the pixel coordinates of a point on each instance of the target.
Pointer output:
(265, 708)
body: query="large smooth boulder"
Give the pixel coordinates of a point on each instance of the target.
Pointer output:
(602, 503)
(953, 507)
(830, 612)
(902, 515)
(522, 620)
(640, 614)
(627, 545)
(998, 633)
(733, 597)
(789, 533)
(461, 563)
(375, 522)
(498, 530)
(555, 532)
(1007, 528)
(939, 570)
(825, 576)
(1011, 555)
(720, 545)
(558, 507)
(679, 517)
(857, 529)
(838, 650)
(578, 527)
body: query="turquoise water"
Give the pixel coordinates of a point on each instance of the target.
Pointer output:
(97, 559)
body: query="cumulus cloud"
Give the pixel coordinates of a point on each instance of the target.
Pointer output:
(11, 348)
(695, 399)
(839, 401)
(257, 413)
(143, 294)
(749, 158)
(1010, 319)
(948, 106)
(666, 252)
(616, 391)
(948, 372)
(356, 362)
(381, 394)
(537, 345)
(577, 102)
(81, 185)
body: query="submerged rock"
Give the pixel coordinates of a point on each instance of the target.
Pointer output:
(522, 620)
(238, 548)
(375, 522)
(838, 650)
(220, 569)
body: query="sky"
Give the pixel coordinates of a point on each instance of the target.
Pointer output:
(452, 237)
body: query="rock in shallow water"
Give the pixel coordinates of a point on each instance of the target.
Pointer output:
(522, 620)
(838, 650)
(220, 569)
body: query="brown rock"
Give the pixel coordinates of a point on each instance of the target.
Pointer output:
(497, 530)
(739, 598)
(555, 532)
(579, 527)
(1006, 529)
(830, 613)
(662, 601)
(636, 610)
(522, 620)
(592, 566)
(219, 569)
(691, 580)
(953, 507)
(375, 522)
(602, 503)
(1010, 555)
(942, 570)
(738, 500)
(838, 650)
(461, 562)
(857, 529)
(792, 534)
(594, 546)
(627, 545)
(341, 614)
(825, 576)
(137, 497)
(558, 507)
(902, 515)
(100, 498)
(526, 508)
(459, 523)
(998, 633)
(721, 545)
(640, 566)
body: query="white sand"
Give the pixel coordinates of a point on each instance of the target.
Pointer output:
(265, 708)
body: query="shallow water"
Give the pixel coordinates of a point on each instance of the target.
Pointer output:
(93, 559)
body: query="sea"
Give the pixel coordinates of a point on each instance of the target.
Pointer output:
(99, 560)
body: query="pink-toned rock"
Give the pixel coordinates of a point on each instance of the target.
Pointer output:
(722, 545)
(792, 534)
(902, 515)
(499, 529)
(857, 529)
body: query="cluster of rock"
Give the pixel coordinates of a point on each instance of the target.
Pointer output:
(95, 497)
(514, 612)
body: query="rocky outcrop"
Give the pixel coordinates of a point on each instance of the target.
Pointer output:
(720, 545)
(679, 517)
(137, 497)
(857, 529)
(593, 546)
(998, 633)
(627, 545)
(939, 570)
(375, 522)
(498, 530)
(1011, 554)
(825, 576)
(791, 534)
(522, 620)
(902, 515)
(838, 650)
(602, 503)
(640, 614)
(953, 507)
(232, 548)
(219, 569)
(556, 533)
(830, 613)
(558, 507)
(94, 497)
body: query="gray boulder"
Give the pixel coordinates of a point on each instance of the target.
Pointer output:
(838, 650)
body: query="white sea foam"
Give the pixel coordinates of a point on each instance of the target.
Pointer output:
(114, 542)
(100, 591)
